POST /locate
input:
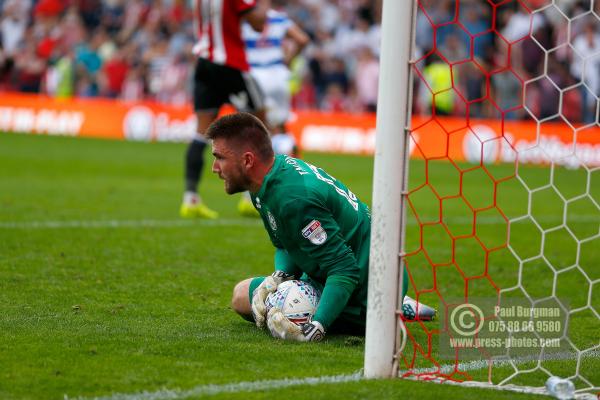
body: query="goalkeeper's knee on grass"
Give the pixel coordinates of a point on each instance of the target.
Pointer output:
(240, 302)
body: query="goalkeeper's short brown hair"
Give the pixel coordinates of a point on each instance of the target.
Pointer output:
(243, 130)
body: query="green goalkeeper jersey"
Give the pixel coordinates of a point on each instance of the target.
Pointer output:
(320, 229)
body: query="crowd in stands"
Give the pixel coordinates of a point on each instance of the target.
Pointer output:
(551, 57)
(141, 49)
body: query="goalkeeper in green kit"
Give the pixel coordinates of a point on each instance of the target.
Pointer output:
(320, 230)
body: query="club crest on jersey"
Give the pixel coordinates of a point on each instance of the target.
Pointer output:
(271, 219)
(314, 232)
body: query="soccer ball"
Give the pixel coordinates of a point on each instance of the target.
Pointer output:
(296, 299)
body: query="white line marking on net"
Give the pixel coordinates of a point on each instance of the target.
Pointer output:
(212, 389)
(484, 364)
(168, 223)
(115, 223)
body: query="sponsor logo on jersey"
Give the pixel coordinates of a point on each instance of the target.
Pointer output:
(314, 232)
(271, 219)
(257, 204)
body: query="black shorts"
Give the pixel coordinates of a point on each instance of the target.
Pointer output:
(215, 85)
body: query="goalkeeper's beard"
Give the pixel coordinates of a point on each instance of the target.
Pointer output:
(236, 183)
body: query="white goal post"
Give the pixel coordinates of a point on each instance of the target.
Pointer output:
(388, 183)
(503, 207)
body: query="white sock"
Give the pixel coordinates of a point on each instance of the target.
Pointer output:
(191, 198)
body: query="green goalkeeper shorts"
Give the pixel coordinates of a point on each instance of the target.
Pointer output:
(351, 321)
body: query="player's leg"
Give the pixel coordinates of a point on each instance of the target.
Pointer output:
(349, 324)
(245, 95)
(241, 301)
(207, 101)
(283, 142)
(278, 113)
(192, 205)
(274, 82)
(266, 78)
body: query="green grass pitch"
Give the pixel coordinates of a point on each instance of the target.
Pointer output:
(104, 290)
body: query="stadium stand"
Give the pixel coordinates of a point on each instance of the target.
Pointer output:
(141, 49)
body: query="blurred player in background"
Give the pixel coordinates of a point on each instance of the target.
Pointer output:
(221, 76)
(269, 54)
(321, 232)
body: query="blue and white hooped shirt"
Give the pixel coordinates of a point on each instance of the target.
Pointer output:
(265, 49)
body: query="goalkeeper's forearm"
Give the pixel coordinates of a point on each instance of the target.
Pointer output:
(334, 299)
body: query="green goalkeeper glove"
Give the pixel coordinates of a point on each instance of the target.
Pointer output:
(283, 328)
(259, 296)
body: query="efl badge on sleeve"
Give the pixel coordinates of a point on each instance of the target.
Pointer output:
(272, 221)
(314, 232)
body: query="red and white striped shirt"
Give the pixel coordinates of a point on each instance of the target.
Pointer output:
(218, 27)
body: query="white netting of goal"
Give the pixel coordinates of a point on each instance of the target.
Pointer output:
(502, 226)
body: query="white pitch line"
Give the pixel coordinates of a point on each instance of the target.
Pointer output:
(115, 223)
(208, 390)
(167, 223)
(253, 386)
